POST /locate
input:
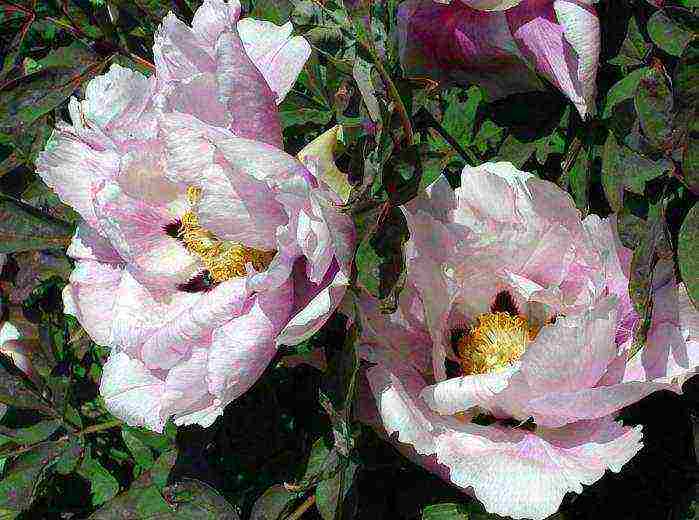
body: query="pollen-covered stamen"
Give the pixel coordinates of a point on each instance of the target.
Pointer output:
(223, 259)
(495, 343)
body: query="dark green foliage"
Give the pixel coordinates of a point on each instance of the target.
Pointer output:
(292, 443)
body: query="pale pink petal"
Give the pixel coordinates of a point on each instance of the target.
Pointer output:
(215, 17)
(431, 246)
(279, 56)
(179, 52)
(88, 244)
(187, 60)
(561, 408)
(524, 475)
(572, 353)
(242, 348)
(565, 50)
(185, 385)
(459, 394)
(403, 332)
(174, 340)
(396, 388)
(137, 231)
(316, 312)
(90, 297)
(131, 392)
(242, 210)
(116, 100)
(76, 171)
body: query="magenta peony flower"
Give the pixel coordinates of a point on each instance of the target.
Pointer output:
(499, 43)
(203, 245)
(505, 364)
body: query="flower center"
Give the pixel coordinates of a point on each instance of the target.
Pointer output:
(495, 343)
(223, 259)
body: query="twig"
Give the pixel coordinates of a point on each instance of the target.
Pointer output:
(298, 513)
(430, 122)
(87, 431)
(392, 92)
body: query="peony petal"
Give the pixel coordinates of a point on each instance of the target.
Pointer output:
(75, 171)
(90, 297)
(117, 99)
(131, 392)
(316, 312)
(215, 17)
(242, 211)
(279, 56)
(396, 388)
(195, 324)
(88, 244)
(458, 43)
(565, 50)
(242, 348)
(185, 385)
(525, 475)
(460, 394)
(558, 409)
(210, 61)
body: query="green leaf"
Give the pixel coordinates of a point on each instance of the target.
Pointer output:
(380, 259)
(293, 116)
(622, 90)
(447, 511)
(141, 453)
(57, 75)
(653, 102)
(626, 169)
(23, 228)
(688, 253)
(274, 502)
(103, 486)
(23, 478)
(332, 492)
(672, 29)
(196, 500)
(634, 49)
(33, 434)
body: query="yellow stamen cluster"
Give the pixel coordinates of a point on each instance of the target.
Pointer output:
(223, 259)
(495, 343)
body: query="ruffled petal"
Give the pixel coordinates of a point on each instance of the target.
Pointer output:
(562, 40)
(75, 171)
(116, 100)
(279, 56)
(174, 340)
(209, 62)
(242, 348)
(315, 312)
(525, 475)
(568, 356)
(396, 386)
(459, 394)
(131, 392)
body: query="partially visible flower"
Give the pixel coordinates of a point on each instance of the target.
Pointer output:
(504, 367)
(18, 348)
(204, 245)
(498, 44)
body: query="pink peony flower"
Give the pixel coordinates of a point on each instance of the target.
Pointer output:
(499, 43)
(203, 245)
(504, 366)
